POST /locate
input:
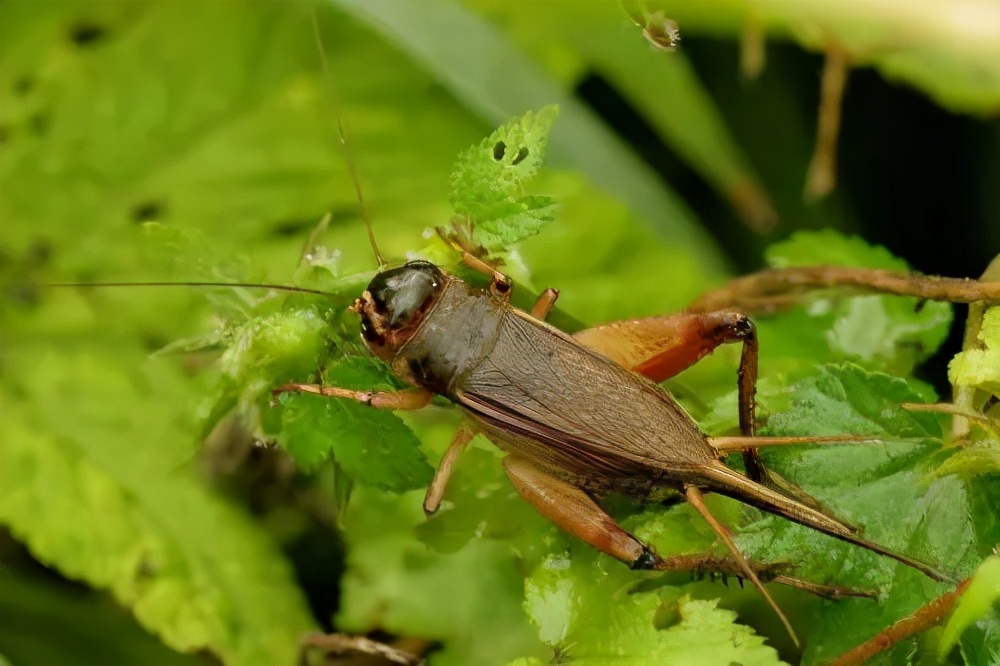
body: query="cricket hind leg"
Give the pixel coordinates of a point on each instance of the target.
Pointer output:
(661, 347)
(577, 513)
(695, 499)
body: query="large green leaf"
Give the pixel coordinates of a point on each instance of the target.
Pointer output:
(92, 484)
(469, 600)
(371, 446)
(587, 613)
(877, 486)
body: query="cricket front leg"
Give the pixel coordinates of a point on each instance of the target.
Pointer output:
(543, 306)
(406, 399)
(501, 284)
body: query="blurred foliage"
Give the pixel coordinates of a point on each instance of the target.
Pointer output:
(980, 600)
(177, 141)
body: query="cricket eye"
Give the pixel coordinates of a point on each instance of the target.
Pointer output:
(402, 293)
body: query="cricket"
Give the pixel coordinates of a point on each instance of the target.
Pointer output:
(582, 417)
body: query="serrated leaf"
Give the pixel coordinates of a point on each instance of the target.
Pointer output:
(372, 446)
(888, 333)
(982, 594)
(587, 613)
(274, 344)
(469, 600)
(108, 450)
(501, 164)
(488, 180)
(515, 221)
(877, 486)
(974, 459)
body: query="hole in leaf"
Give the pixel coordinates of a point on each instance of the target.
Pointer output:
(499, 150)
(521, 155)
(147, 211)
(85, 34)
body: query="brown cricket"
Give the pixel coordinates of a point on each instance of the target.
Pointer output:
(583, 415)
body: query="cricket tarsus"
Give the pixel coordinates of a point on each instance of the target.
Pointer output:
(700, 564)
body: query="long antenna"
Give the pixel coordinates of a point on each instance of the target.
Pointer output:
(248, 285)
(348, 153)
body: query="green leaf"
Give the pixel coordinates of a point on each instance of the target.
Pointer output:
(488, 180)
(372, 446)
(82, 438)
(888, 333)
(980, 368)
(982, 594)
(469, 600)
(974, 459)
(877, 486)
(585, 611)
(90, 627)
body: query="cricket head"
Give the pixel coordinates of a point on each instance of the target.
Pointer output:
(395, 303)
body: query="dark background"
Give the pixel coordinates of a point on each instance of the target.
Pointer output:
(911, 176)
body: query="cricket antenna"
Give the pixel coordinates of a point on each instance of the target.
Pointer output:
(245, 285)
(345, 144)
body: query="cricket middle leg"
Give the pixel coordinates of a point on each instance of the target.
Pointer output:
(435, 491)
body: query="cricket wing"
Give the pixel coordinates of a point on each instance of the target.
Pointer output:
(541, 385)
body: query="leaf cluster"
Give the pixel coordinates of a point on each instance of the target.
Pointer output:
(102, 474)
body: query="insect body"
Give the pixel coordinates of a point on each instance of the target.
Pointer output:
(574, 413)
